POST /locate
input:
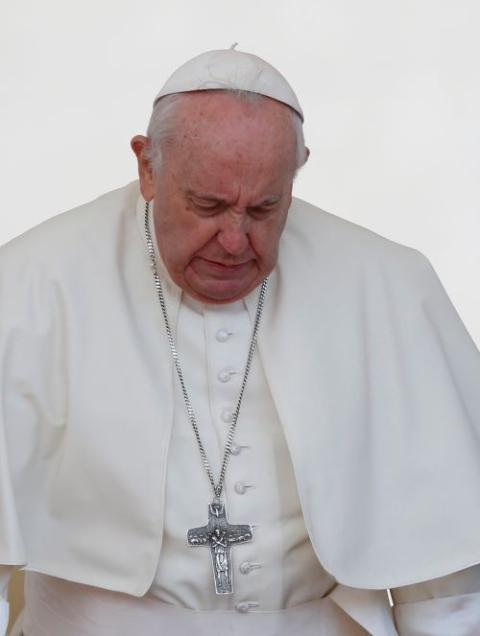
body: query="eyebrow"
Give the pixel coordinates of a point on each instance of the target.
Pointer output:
(207, 196)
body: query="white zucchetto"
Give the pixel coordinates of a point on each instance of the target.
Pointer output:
(231, 69)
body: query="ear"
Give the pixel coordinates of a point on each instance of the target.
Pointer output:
(141, 147)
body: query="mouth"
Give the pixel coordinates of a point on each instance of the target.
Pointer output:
(233, 267)
(220, 268)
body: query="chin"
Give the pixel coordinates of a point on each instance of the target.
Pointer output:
(217, 291)
(217, 299)
(219, 294)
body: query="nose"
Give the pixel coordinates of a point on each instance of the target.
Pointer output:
(233, 235)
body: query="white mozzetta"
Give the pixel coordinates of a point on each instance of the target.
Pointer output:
(276, 577)
(380, 410)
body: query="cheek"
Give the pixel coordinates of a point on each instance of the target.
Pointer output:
(187, 235)
(265, 241)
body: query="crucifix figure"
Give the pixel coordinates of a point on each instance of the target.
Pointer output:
(219, 536)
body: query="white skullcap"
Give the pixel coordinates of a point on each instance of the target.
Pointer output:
(230, 69)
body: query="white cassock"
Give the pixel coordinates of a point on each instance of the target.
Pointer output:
(360, 432)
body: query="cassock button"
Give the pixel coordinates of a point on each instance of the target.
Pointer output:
(236, 449)
(245, 606)
(225, 375)
(244, 567)
(223, 335)
(247, 567)
(241, 487)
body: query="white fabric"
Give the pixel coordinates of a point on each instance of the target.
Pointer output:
(58, 608)
(284, 593)
(369, 608)
(4, 616)
(380, 403)
(290, 576)
(456, 615)
(234, 70)
(5, 573)
(287, 573)
(440, 607)
(455, 584)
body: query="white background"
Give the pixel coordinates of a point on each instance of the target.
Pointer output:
(390, 90)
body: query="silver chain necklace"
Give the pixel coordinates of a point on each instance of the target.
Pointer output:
(218, 534)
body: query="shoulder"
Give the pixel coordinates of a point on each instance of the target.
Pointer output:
(320, 239)
(70, 234)
(69, 256)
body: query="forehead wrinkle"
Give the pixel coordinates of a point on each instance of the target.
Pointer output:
(249, 161)
(233, 182)
(228, 181)
(227, 120)
(221, 154)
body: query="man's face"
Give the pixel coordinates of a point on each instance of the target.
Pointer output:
(222, 195)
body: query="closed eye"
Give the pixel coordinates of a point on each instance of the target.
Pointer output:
(207, 205)
(262, 211)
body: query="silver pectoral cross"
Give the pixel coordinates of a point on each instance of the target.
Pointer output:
(219, 536)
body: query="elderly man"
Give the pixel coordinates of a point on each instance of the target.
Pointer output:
(224, 409)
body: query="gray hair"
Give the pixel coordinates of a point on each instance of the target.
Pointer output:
(161, 128)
